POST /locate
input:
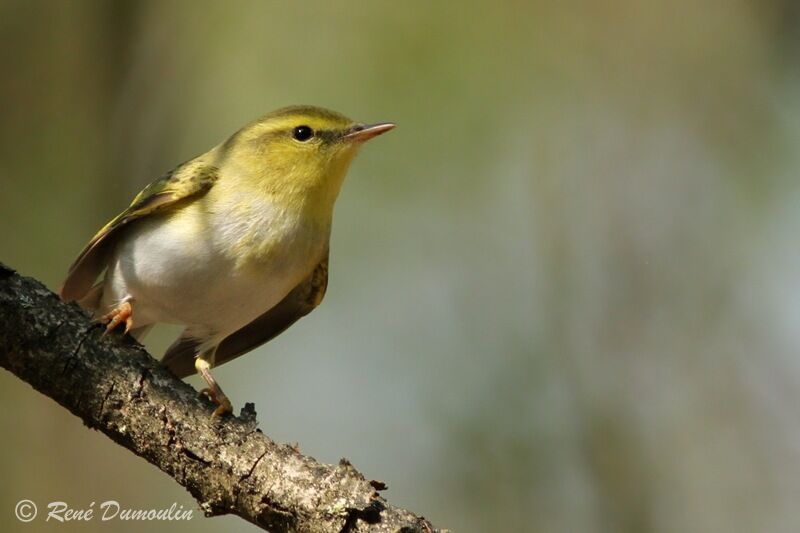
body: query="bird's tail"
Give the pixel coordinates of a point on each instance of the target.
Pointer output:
(92, 299)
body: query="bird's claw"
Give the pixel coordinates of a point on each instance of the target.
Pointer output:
(117, 316)
(224, 405)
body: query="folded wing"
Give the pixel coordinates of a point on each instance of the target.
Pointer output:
(186, 182)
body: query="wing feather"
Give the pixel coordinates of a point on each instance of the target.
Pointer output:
(187, 181)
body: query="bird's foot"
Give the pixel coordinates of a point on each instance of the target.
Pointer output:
(119, 315)
(214, 392)
(224, 405)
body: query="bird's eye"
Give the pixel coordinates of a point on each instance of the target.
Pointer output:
(302, 133)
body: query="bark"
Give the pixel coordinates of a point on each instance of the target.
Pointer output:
(227, 464)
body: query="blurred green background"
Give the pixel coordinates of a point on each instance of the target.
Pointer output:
(564, 293)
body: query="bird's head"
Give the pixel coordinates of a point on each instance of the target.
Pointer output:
(299, 153)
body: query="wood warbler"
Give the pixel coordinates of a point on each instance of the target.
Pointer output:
(232, 244)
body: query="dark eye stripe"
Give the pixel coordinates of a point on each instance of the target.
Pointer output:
(330, 135)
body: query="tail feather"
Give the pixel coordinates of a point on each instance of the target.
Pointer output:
(91, 299)
(179, 358)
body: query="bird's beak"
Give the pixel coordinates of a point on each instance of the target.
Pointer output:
(361, 132)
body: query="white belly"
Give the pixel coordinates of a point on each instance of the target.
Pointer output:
(179, 270)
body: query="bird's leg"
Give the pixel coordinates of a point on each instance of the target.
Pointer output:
(203, 364)
(123, 313)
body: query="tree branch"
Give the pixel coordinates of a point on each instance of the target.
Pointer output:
(228, 465)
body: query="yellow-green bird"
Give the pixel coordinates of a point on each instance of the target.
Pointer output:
(232, 244)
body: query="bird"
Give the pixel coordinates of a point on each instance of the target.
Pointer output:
(233, 245)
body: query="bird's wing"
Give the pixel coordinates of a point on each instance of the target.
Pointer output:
(299, 302)
(187, 181)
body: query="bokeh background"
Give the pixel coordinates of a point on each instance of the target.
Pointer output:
(565, 292)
